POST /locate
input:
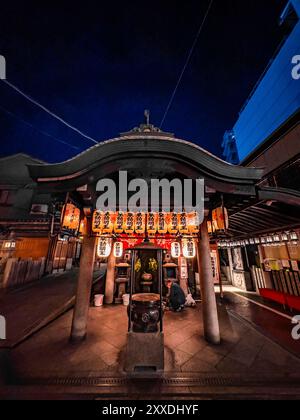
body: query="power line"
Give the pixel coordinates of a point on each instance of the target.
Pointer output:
(186, 64)
(37, 129)
(35, 102)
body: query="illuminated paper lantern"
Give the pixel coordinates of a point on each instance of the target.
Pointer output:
(119, 223)
(188, 248)
(83, 227)
(210, 227)
(173, 223)
(118, 249)
(193, 223)
(152, 223)
(108, 224)
(162, 223)
(97, 223)
(129, 223)
(175, 250)
(139, 223)
(293, 236)
(71, 217)
(183, 223)
(104, 247)
(220, 219)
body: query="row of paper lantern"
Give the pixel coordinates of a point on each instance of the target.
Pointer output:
(188, 248)
(104, 248)
(270, 240)
(129, 223)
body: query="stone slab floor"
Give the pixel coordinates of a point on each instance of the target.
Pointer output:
(243, 350)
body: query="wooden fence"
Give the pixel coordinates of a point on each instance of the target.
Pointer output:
(20, 272)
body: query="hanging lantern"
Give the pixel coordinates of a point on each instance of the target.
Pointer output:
(220, 219)
(139, 223)
(175, 250)
(284, 237)
(71, 217)
(193, 223)
(118, 249)
(97, 223)
(108, 224)
(188, 248)
(83, 227)
(119, 223)
(173, 223)
(293, 236)
(162, 223)
(129, 223)
(152, 223)
(183, 223)
(209, 227)
(104, 247)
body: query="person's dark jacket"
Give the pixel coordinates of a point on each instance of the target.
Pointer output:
(177, 296)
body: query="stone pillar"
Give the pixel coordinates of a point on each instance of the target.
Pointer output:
(85, 280)
(209, 304)
(110, 278)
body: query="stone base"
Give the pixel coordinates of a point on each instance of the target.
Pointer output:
(144, 353)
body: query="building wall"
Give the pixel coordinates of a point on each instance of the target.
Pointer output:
(34, 248)
(275, 100)
(281, 161)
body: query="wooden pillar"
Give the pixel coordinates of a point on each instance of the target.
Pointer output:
(110, 278)
(85, 280)
(209, 304)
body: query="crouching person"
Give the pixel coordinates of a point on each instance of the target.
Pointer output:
(176, 297)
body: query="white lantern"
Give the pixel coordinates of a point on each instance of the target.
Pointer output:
(118, 249)
(175, 250)
(188, 248)
(104, 247)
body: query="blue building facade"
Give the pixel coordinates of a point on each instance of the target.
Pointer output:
(276, 97)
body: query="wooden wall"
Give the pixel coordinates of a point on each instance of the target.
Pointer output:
(34, 248)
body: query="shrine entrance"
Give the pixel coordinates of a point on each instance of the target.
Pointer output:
(147, 153)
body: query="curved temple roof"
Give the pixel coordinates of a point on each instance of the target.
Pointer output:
(148, 142)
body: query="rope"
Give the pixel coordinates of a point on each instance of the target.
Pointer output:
(29, 98)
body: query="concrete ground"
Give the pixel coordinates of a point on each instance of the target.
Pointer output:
(30, 308)
(243, 350)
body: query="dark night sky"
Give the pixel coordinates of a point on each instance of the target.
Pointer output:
(100, 64)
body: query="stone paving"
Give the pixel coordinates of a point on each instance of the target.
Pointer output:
(243, 350)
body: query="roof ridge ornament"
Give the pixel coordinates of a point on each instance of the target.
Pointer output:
(147, 129)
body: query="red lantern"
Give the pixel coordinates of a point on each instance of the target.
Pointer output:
(71, 217)
(220, 219)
